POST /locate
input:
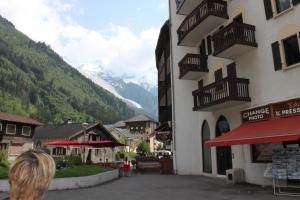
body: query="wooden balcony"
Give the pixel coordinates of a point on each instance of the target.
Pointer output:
(234, 40)
(192, 67)
(203, 19)
(165, 113)
(225, 93)
(185, 7)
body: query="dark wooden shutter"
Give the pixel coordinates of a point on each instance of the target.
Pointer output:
(209, 49)
(276, 56)
(295, 2)
(218, 75)
(218, 78)
(231, 70)
(268, 9)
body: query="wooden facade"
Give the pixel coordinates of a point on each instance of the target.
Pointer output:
(162, 53)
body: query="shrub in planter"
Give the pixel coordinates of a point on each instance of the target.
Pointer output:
(4, 158)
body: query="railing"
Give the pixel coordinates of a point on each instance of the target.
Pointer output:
(228, 89)
(234, 33)
(193, 62)
(208, 7)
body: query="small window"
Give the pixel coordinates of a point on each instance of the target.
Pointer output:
(291, 50)
(282, 5)
(0, 127)
(10, 129)
(26, 131)
(142, 128)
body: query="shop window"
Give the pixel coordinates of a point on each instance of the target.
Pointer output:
(262, 153)
(282, 5)
(26, 130)
(11, 129)
(59, 151)
(291, 50)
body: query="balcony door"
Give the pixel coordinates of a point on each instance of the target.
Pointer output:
(224, 159)
(206, 151)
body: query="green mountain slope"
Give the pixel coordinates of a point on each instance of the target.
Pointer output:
(35, 81)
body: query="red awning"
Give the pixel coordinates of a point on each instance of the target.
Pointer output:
(276, 130)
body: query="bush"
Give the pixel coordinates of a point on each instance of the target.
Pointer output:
(73, 160)
(4, 158)
(67, 161)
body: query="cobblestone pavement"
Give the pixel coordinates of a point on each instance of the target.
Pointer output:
(150, 187)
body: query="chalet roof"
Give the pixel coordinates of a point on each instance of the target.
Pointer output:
(120, 124)
(140, 118)
(125, 132)
(18, 118)
(62, 131)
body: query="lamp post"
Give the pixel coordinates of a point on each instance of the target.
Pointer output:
(84, 126)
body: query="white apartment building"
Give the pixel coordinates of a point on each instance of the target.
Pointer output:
(235, 68)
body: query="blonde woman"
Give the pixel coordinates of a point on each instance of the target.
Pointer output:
(30, 175)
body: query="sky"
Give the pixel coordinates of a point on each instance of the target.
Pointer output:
(116, 36)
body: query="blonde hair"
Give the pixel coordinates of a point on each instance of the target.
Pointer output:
(30, 175)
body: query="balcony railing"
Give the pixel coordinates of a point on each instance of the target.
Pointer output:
(234, 33)
(206, 8)
(226, 90)
(192, 63)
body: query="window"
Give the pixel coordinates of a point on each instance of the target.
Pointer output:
(262, 153)
(10, 129)
(26, 130)
(282, 5)
(0, 127)
(59, 151)
(291, 50)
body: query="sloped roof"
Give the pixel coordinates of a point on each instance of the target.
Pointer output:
(63, 131)
(18, 118)
(124, 132)
(119, 124)
(140, 118)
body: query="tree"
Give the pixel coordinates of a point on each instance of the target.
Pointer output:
(144, 148)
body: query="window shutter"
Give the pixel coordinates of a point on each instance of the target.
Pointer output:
(218, 75)
(276, 56)
(231, 70)
(209, 50)
(295, 2)
(268, 9)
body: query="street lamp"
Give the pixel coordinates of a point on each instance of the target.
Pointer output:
(84, 126)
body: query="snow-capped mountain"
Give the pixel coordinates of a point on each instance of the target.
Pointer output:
(142, 96)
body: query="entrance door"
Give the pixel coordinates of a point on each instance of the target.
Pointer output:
(224, 159)
(206, 152)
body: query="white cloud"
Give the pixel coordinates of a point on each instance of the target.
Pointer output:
(118, 50)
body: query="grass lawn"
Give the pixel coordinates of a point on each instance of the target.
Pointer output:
(3, 173)
(75, 171)
(81, 170)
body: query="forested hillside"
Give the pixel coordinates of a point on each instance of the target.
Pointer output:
(35, 81)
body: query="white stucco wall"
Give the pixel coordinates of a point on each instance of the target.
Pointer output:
(266, 86)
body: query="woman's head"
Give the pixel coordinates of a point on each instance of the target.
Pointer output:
(30, 175)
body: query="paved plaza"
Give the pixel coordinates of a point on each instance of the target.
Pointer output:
(151, 187)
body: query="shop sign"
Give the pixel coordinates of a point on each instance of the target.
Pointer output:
(286, 109)
(256, 114)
